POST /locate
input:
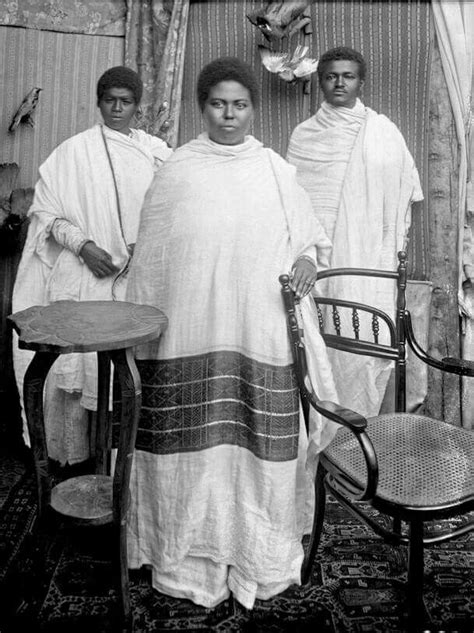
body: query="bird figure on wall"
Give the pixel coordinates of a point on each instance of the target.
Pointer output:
(290, 67)
(26, 109)
(277, 20)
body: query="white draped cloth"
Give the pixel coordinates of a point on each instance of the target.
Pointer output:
(219, 489)
(101, 197)
(362, 181)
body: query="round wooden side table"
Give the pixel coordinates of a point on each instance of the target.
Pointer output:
(112, 329)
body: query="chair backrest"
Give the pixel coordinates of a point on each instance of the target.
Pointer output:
(356, 327)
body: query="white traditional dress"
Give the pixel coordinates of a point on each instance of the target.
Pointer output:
(95, 181)
(362, 180)
(219, 488)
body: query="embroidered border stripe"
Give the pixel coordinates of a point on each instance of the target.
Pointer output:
(193, 403)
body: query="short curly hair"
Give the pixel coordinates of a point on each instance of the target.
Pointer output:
(120, 77)
(338, 53)
(226, 69)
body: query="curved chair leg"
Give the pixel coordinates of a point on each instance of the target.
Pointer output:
(416, 608)
(124, 582)
(318, 520)
(397, 525)
(33, 387)
(130, 404)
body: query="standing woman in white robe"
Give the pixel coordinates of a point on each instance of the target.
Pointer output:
(83, 225)
(219, 482)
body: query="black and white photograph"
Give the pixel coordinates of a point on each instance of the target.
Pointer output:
(237, 316)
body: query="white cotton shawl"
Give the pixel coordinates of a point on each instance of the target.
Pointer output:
(77, 183)
(320, 148)
(219, 225)
(372, 198)
(201, 174)
(169, 271)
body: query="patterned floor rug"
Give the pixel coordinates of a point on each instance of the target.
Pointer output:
(357, 584)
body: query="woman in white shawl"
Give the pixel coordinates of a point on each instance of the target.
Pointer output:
(83, 224)
(219, 487)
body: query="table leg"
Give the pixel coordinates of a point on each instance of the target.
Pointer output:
(33, 387)
(130, 405)
(102, 430)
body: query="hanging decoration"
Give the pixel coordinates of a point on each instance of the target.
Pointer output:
(24, 114)
(277, 20)
(290, 67)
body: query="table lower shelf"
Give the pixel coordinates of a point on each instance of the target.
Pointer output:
(87, 498)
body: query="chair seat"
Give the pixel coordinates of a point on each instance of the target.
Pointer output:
(86, 498)
(423, 462)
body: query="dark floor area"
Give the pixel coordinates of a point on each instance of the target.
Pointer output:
(357, 583)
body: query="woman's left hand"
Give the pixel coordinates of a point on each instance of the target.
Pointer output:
(304, 275)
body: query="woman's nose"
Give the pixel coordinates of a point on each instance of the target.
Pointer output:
(229, 112)
(117, 106)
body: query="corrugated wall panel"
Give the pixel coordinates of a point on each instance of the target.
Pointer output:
(67, 67)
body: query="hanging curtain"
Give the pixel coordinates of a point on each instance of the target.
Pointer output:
(155, 41)
(66, 16)
(454, 24)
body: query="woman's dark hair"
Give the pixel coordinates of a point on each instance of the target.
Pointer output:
(341, 52)
(226, 69)
(120, 77)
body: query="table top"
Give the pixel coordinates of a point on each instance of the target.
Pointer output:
(87, 326)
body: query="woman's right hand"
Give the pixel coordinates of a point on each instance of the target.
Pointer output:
(97, 260)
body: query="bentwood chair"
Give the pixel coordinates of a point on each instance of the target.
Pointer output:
(410, 469)
(111, 329)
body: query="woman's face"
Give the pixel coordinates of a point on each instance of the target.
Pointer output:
(341, 83)
(117, 106)
(228, 113)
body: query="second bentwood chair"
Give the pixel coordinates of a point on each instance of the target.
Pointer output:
(410, 469)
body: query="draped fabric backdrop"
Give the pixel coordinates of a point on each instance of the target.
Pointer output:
(155, 40)
(146, 28)
(454, 24)
(102, 17)
(394, 37)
